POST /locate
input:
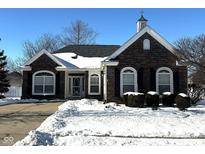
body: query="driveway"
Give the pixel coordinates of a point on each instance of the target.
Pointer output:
(17, 120)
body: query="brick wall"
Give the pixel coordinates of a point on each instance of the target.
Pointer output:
(43, 63)
(146, 63)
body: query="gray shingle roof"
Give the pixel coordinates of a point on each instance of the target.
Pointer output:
(90, 50)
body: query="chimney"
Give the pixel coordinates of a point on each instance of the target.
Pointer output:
(141, 23)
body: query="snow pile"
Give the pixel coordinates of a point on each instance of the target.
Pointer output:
(133, 93)
(89, 122)
(14, 100)
(182, 95)
(201, 102)
(80, 61)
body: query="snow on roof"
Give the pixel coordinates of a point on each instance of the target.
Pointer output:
(71, 60)
(65, 63)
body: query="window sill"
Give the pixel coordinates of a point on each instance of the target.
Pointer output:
(43, 94)
(94, 94)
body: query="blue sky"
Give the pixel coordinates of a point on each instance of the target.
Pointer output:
(115, 26)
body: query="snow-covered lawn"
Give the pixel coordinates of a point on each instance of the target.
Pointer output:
(90, 122)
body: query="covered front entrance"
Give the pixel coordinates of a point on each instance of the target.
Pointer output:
(76, 86)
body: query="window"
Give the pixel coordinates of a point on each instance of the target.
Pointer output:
(146, 44)
(94, 84)
(43, 83)
(164, 80)
(128, 80)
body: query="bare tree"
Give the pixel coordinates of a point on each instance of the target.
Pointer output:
(15, 65)
(192, 52)
(78, 33)
(46, 41)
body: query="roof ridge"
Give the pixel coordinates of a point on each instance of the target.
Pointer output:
(92, 45)
(92, 50)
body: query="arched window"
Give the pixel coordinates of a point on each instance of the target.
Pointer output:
(128, 80)
(94, 84)
(146, 44)
(164, 80)
(43, 83)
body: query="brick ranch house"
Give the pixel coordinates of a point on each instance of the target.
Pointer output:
(146, 62)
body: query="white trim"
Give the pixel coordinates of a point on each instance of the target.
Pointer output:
(76, 69)
(110, 63)
(148, 30)
(105, 83)
(30, 61)
(42, 71)
(26, 68)
(171, 78)
(121, 79)
(97, 72)
(65, 88)
(72, 69)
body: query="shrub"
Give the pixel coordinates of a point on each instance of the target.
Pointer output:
(133, 99)
(138, 100)
(168, 99)
(125, 99)
(196, 92)
(152, 99)
(182, 101)
(130, 100)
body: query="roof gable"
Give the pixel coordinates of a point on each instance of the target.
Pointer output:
(148, 30)
(39, 54)
(67, 60)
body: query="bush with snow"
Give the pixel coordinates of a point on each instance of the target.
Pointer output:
(125, 99)
(152, 99)
(139, 100)
(183, 101)
(196, 92)
(168, 99)
(133, 99)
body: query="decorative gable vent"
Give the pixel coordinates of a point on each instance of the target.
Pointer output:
(146, 44)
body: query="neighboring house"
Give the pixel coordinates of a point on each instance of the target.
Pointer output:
(146, 62)
(15, 81)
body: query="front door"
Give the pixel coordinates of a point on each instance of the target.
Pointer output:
(76, 88)
(76, 84)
